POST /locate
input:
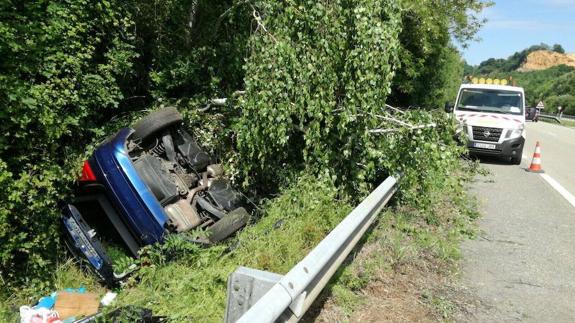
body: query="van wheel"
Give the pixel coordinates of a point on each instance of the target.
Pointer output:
(516, 160)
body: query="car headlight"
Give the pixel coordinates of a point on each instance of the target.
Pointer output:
(515, 133)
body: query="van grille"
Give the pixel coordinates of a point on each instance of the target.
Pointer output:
(486, 133)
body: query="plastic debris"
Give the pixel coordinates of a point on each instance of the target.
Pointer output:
(62, 306)
(38, 315)
(108, 298)
(47, 302)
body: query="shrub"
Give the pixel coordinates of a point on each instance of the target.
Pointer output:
(62, 63)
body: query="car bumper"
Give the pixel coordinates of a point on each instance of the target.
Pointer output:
(508, 148)
(127, 191)
(83, 244)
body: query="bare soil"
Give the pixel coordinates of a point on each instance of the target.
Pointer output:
(425, 290)
(544, 59)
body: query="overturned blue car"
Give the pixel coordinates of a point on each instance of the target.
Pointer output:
(142, 184)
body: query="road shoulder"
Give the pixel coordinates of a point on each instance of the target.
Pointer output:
(522, 265)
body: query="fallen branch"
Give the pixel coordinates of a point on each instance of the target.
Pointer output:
(260, 23)
(394, 109)
(429, 125)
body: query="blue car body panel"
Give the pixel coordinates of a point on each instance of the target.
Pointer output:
(113, 168)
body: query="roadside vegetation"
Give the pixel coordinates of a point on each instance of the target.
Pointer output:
(307, 140)
(564, 122)
(553, 86)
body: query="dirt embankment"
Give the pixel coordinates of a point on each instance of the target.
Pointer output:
(544, 59)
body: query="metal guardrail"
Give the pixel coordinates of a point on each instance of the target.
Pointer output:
(549, 116)
(557, 118)
(260, 296)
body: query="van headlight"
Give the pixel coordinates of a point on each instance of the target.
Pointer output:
(461, 128)
(515, 133)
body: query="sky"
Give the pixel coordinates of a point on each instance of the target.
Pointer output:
(514, 25)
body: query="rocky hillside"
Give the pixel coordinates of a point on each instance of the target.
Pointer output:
(544, 59)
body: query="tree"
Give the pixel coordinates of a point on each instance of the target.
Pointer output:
(558, 49)
(430, 66)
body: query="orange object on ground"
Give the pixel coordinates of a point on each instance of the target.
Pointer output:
(536, 162)
(76, 304)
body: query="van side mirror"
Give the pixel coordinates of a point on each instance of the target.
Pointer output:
(448, 107)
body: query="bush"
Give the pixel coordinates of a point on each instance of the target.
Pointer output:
(60, 74)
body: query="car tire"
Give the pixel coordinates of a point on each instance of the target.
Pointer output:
(156, 121)
(516, 160)
(227, 226)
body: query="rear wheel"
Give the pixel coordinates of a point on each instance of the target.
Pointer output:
(156, 121)
(231, 223)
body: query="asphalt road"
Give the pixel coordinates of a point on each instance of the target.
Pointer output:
(522, 265)
(557, 151)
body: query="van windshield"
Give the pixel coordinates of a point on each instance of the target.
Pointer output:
(494, 101)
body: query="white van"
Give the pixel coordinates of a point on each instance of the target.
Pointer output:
(492, 116)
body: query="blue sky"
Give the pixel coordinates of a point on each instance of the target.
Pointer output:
(514, 25)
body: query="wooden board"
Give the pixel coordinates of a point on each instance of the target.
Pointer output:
(76, 304)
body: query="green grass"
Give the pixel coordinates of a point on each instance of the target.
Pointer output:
(564, 122)
(568, 123)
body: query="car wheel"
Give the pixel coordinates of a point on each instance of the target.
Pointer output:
(516, 160)
(231, 223)
(155, 122)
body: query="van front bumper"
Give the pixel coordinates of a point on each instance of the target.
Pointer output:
(508, 148)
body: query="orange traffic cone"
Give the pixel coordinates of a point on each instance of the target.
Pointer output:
(536, 162)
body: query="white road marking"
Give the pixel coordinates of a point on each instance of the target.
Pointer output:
(568, 196)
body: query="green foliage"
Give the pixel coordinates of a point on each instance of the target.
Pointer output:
(316, 81)
(558, 48)
(430, 67)
(315, 70)
(62, 63)
(190, 47)
(560, 91)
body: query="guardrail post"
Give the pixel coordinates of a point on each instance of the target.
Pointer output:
(245, 287)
